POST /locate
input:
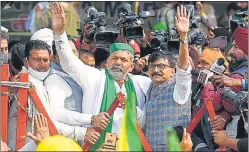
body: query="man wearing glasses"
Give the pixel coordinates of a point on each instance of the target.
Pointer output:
(168, 98)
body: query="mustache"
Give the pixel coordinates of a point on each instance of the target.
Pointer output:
(156, 73)
(117, 67)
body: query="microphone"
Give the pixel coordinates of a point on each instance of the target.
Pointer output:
(195, 72)
(205, 75)
(218, 67)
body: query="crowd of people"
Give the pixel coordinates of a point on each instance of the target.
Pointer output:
(77, 82)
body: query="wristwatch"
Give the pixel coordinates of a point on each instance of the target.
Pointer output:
(92, 120)
(184, 41)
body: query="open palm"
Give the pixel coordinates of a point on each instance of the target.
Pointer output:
(58, 18)
(182, 20)
(41, 130)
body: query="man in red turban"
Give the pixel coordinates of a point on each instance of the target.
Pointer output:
(240, 35)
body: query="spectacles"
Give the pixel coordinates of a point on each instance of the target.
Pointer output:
(159, 66)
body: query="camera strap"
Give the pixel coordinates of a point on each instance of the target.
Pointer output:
(244, 120)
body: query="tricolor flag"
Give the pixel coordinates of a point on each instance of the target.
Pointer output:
(128, 137)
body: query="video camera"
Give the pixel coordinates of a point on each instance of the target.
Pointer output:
(128, 21)
(241, 22)
(99, 34)
(104, 38)
(239, 100)
(163, 40)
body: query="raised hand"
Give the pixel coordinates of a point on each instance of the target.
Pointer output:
(141, 63)
(41, 130)
(182, 20)
(58, 18)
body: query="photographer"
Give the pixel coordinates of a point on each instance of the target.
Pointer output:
(239, 59)
(238, 67)
(240, 36)
(201, 137)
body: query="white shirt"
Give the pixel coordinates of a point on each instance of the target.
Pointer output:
(58, 90)
(92, 81)
(74, 132)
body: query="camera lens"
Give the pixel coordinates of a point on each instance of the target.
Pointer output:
(155, 43)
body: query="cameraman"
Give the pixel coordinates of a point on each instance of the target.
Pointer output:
(240, 36)
(209, 90)
(201, 136)
(237, 59)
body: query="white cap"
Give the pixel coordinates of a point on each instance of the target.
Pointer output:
(45, 35)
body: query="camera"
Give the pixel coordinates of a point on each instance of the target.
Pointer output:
(241, 22)
(128, 21)
(105, 37)
(95, 20)
(101, 36)
(239, 100)
(160, 37)
(163, 40)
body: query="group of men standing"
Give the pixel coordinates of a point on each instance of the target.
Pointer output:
(77, 97)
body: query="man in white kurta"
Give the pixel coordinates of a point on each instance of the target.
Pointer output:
(37, 78)
(92, 81)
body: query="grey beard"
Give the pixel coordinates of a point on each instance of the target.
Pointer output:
(117, 75)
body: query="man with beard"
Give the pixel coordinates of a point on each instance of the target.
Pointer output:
(201, 136)
(238, 65)
(100, 87)
(225, 110)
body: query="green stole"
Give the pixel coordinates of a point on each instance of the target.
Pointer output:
(107, 100)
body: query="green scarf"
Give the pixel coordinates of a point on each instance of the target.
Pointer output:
(107, 100)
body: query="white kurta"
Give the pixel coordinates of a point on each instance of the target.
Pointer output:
(74, 132)
(92, 81)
